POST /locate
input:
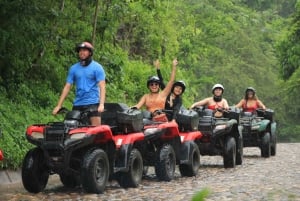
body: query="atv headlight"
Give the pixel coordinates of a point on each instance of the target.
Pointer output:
(151, 131)
(119, 142)
(78, 136)
(37, 135)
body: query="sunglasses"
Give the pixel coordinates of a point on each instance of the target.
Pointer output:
(153, 84)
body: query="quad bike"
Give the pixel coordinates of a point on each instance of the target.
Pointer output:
(82, 154)
(166, 147)
(259, 130)
(221, 135)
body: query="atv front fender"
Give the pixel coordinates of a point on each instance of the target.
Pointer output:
(273, 128)
(122, 159)
(124, 145)
(186, 151)
(263, 125)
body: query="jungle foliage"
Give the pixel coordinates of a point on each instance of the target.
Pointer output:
(238, 43)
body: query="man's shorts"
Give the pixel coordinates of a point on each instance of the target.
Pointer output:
(93, 108)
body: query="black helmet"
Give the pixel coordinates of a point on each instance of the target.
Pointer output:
(153, 79)
(179, 83)
(85, 45)
(250, 89)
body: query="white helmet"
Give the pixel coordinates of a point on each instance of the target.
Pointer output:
(217, 86)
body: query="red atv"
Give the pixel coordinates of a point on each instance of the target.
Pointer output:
(166, 146)
(82, 154)
(1, 153)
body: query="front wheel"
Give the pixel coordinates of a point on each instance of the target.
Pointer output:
(229, 157)
(35, 173)
(95, 171)
(266, 145)
(191, 169)
(273, 146)
(239, 152)
(133, 177)
(165, 163)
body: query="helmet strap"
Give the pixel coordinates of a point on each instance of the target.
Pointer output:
(86, 62)
(217, 98)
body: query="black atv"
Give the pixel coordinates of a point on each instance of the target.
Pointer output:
(259, 130)
(221, 135)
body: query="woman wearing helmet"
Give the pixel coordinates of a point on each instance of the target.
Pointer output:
(250, 102)
(216, 101)
(155, 100)
(174, 100)
(89, 78)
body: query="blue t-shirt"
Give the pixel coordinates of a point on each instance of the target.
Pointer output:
(86, 79)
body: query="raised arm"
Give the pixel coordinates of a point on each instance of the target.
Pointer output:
(169, 85)
(159, 75)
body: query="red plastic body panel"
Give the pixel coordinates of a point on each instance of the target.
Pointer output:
(128, 139)
(35, 128)
(190, 136)
(103, 132)
(170, 127)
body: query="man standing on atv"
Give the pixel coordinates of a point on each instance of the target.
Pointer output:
(215, 102)
(155, 100)
(89, 78)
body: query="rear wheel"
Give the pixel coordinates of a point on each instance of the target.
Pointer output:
(266, 145)
(35, 173)
(133, 177)
(95, 171)
(229, 158)
(191, 169)
(165, 163)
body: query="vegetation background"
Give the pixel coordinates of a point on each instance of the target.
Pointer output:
(237, 43)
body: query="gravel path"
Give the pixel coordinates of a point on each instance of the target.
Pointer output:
(275, 178)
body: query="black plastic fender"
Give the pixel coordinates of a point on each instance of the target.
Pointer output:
(273, 130)
(122, 158)
(186, 153)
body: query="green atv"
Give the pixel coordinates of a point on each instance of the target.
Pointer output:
(259, 130)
